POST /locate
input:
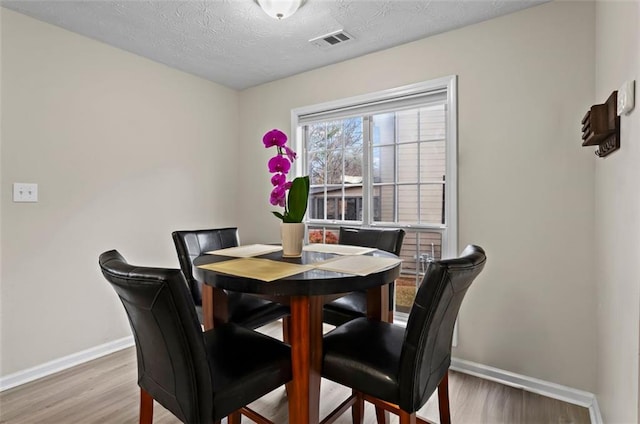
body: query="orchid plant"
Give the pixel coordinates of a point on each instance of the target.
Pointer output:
(295, 203)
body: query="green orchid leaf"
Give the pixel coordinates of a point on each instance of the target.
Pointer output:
(298, 199)
(279, 215)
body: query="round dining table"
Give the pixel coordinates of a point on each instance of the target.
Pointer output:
(305, 293)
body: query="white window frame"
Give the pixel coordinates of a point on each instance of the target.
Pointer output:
(449, 230)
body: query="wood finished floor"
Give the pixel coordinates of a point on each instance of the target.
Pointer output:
(105, 391)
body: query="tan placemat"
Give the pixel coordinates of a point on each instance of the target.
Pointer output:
(257, 268)
(246, 251)
(357, 265)
(338, 249)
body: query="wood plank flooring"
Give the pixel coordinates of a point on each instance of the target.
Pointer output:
(105, 391)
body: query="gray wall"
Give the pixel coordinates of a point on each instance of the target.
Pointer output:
(617, 219)
(124, 151)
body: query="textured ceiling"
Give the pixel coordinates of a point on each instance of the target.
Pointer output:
(232, 42)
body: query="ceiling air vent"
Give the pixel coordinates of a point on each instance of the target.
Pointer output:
(331, 39)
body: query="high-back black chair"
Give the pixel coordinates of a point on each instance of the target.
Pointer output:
(354, 304)
(199, 377)
(398, 369)
(244, 309)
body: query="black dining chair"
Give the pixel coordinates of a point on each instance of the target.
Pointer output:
(398, 369)
(200, 377)
(244, 309)
(354, 304)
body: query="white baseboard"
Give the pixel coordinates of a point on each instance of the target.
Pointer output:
(530, 384)
(57, 365)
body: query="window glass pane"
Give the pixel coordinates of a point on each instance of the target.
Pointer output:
(351, 133)
(351, 210)
(406, 288)
(334, 199)
(327, 143)
(432, 161)
(383, 129)
(431, 203)
(407, 283)
(316, 234)
(433, 123)
(334, 166)
(384, 164)
(408, 163)
(323, 235)
(316, 203)
(408, 127)
(409, 253)
(316, 140)
(316, 165)
(429, 248)
(408, 203)
(353, 203)
(384, 203)
(353, 166)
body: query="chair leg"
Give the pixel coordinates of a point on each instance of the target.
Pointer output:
(285, 338)
(443, 400)
(381, 415)
(357, 410)
(146, 407)
(234, 418)
(407, 418)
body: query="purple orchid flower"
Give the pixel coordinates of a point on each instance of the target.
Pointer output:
(278, 195)
(278, 179)
(290, 153)
(279, 164)
(274, 138)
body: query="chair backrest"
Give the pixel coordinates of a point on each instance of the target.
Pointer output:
(172, 363)
(426, 350)
(191, 244)
(389, 240)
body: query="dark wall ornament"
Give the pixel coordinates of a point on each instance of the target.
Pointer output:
(601, 127)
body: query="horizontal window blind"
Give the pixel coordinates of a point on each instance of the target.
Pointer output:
(380, 105)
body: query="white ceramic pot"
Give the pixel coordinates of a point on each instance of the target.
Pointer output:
(292, 234)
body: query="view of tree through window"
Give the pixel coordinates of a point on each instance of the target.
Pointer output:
(334, 162)
(335, 149)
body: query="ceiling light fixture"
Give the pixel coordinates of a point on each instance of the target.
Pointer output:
(280, 9)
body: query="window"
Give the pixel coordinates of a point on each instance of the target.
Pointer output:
(386, 159)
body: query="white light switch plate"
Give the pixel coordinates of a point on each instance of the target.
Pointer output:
(25, 192)
(626, 97)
